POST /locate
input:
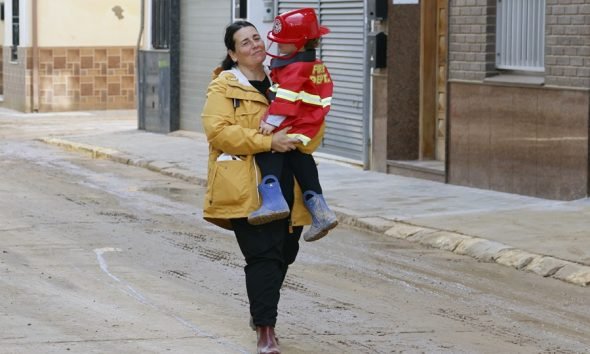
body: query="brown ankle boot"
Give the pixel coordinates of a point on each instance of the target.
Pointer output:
(267, 342)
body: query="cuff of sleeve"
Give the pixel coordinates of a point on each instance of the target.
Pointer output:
(267, 142)
(275, 120)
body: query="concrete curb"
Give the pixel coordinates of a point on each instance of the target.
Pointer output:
(98, 152)
(476, 247)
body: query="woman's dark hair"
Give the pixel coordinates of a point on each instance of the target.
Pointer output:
(228, 63)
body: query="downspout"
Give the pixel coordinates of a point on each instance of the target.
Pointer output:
(137, 73)
(35, 68)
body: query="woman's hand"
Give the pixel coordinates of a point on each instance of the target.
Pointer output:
(281, 142)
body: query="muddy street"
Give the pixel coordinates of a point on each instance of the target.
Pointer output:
(100, 257)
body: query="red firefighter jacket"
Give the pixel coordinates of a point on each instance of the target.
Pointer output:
(302, 92)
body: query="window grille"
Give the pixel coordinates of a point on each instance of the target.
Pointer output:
(520, 35)
(161, 24)
(15, 31)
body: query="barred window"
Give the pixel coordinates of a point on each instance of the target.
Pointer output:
(15, 31)
(520, 35)
(161, 24)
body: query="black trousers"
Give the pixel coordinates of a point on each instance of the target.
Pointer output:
(268, 249)
(302, 165)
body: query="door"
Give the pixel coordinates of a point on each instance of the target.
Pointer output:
(202, 27)
(433, 79)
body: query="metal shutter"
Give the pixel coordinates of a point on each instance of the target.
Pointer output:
(344, 52)
(202, 26)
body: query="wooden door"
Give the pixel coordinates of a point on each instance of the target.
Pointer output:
(441, 80)
(433, 79)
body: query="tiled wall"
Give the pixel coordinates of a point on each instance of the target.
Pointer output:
(86, 78)
(472, 39)
(567, 38)
(72, 79)
(531, 141)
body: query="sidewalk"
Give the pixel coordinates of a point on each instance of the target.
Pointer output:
(549, 238)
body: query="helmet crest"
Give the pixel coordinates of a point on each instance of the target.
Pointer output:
(296, 27)
(277, 26)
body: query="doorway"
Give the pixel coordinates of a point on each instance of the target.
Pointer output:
(433, 80)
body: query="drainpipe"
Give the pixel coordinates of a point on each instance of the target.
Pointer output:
(137, 73)
(35, 68)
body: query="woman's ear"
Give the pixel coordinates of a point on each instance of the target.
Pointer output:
(232, 55)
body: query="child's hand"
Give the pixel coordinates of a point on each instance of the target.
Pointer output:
(266, 128)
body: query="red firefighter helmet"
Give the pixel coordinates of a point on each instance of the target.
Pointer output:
(296, 27)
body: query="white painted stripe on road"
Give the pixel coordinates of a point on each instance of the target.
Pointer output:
(129, 290)
(103, 264)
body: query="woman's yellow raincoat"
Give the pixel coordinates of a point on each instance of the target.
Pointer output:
(231, 118)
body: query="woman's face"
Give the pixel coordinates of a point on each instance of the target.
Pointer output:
(249, 47)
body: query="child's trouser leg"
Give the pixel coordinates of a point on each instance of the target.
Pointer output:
(306, 173)
(273, 206)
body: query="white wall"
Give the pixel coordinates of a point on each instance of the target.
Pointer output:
(256, 12)
(70, 23)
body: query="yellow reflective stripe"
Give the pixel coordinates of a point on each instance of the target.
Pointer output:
(303, 96)
(274, 88)
(311, 99)
(302, 138)
(287, 95)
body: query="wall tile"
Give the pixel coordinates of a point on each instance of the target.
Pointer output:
(78, 78)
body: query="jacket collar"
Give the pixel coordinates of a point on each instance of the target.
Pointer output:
(307, 56)
(242, 79)
(241, 88)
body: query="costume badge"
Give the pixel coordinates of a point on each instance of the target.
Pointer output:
(277, 26)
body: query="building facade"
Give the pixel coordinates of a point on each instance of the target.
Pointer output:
(491, 94)
(198, 41)
(519, 83)
(63, 55)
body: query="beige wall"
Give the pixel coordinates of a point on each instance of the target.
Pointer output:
(65, 23)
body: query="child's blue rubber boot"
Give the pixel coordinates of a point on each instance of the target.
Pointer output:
(323, 218)
(274, 206)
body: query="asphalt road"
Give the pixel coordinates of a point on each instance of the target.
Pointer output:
(98, 257)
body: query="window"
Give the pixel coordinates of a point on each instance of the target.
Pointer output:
(15, 31)
(241, 9)
(161, 24)
(520, 35)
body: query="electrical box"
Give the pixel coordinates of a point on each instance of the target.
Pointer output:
(377, 9)
(269, 11)
(377, 43)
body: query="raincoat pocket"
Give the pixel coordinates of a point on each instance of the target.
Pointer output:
(231, 182)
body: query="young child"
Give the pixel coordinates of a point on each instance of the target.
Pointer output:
(301, 96)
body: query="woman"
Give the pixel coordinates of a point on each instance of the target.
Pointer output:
(235, 103)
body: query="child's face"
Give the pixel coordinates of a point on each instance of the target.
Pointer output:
(287, 48)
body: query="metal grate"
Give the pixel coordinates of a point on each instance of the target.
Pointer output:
(343, 52)
(520, 35)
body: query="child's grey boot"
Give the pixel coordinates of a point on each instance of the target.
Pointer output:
(274, 206)
(323, 218)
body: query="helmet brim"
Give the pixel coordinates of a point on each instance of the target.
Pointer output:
(275, 39)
